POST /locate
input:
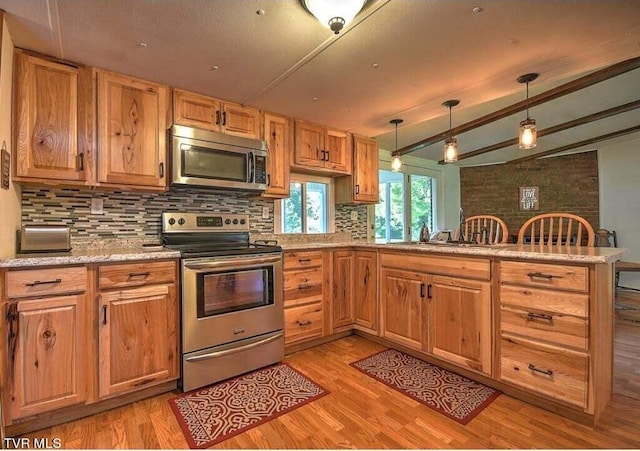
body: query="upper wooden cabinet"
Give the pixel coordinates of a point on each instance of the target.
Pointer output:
(361, 187)
(195, 110)
(132, 123)
(279, 137)
(50, 120)
(319, 149)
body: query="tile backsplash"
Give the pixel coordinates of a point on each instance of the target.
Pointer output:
(137, 215)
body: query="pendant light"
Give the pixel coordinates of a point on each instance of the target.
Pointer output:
(396, 163)
(334, 14)
(528, 136)
(451, 143)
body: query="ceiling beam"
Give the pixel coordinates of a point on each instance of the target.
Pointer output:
(562, 90)
(555, 129)
(586, 142)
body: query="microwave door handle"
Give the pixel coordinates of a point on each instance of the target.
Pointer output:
(251, 168)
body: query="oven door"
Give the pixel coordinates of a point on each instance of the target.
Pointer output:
(226, 299)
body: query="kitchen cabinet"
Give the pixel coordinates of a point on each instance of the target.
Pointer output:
(318, 149)
(362, 187)
(279, 137)
(544, 329)
(304, 309)
(132, 123)
(365, 296)
(52, 121)
(45, 357)
(195, 110)
(138, 324)
(343, 288)
(460, 321)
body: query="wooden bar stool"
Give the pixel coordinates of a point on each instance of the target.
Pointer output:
(564, 229)
(491, 228)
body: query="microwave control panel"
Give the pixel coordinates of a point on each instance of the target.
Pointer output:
(261, 169)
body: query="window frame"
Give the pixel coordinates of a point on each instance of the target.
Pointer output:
(331, 205)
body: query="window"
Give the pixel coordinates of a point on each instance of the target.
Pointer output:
(309, 206)
(394, 220)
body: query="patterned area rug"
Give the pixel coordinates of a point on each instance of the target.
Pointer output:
(216, 413)
(455, 396)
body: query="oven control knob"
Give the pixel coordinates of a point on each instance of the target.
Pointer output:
(242, 221)
(181, 221)
(227, 221)
(235, 221)
(172, 221)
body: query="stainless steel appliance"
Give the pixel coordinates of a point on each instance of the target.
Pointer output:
(232, 297)
(43, 238)
(215, 160)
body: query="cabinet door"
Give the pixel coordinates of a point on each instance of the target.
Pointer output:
(277, 133)
(46, 120)
(403, 316)
(46, 364)
(365, 168)
(366, 290)
(137, 338)
(242, 121)
(338, 151)
(131, 131)
(194, 110)
(342, 307)
(460, 322)
(309, 143)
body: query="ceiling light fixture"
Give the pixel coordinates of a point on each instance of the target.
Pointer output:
(335, 14)
(528, 136)
(451, 143)
(396, 163)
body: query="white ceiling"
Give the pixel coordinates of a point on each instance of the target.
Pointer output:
(426, 52)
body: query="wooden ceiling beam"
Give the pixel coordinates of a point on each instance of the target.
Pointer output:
(586, 142)
(562, 90)
(555, 129)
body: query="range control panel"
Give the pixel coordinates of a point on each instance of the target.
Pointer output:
(176, 222)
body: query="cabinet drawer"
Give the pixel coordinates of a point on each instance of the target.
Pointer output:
(563, 302)
(302, 322)
(551, 371)
(472, 268)
(297, 260)
(545, 275)
(556, 328)
(136, 274)
(38, 282)
(301, 286)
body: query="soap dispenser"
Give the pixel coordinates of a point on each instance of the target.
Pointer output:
(424, 233)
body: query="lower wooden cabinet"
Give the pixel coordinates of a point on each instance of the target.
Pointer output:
(46, 354)
(365, 296)
(342, 291)
(137, 338)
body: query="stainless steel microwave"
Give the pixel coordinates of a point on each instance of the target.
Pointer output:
(215, 160)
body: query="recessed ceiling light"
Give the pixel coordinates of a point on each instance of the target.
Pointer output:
(143, 45)
(315, 99)
(260, 12)
(477, 9)
(214, 68)
(375, 65)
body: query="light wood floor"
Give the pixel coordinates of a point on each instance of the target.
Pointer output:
(361, 413)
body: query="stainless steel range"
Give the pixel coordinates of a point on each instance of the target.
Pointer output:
(232, 297)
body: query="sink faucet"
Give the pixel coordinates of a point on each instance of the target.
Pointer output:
(461, 235)
(483, 234)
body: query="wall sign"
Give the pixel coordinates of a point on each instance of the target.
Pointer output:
(529, 198)
(5, 166)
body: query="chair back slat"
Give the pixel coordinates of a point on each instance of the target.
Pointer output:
(564, 229)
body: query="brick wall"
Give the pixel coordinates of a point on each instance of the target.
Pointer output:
(566, 184)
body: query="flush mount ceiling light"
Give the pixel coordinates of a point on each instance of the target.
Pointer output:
(335, 14)
(396, 163)
(528, 136)
(451, 143)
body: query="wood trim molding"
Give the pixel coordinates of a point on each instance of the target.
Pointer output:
(559, 91)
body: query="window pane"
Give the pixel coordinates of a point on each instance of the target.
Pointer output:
(292, 210)
(381, 216)
(396, 213)
(316, 207)
(390, 210)
(421, 204)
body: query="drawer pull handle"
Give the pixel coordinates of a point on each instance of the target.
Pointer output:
(532, 316)
(304, 260)
(306, 323)
(44, 282)
(532, 367)
(539, 275)
(139, 274)
(304, 286)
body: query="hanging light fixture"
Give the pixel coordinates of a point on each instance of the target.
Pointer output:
(396, 163)
(528, 136)
(451, 143)
(335, 14)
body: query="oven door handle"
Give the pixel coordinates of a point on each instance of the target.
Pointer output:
(233, 263)
(214, 354)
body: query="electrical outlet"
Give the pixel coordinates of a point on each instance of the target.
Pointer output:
(265, 212)
(97, 206)
(354, 215)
